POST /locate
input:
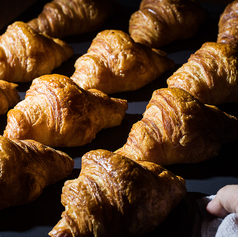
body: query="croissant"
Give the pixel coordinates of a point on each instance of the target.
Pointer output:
(26, 54)
(26, 168)
(57, 113)
(177, 128)
(160, 22)
(61, 18)
(115, 196)
(9, 96)
(210, 74)
(115, 63)
(227, 27)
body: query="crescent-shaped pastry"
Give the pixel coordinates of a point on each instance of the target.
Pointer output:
(115, 196)
(26, 167)
(177, 128)
(115, 63)
(210, 75)
(57, 113)
(61, 18)
(160, 22)
(26, 54)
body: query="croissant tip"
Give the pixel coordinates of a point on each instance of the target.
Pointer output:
(61, 229)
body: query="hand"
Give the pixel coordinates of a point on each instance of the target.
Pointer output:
(225, 202)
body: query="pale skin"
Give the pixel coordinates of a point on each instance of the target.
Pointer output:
(225, 202)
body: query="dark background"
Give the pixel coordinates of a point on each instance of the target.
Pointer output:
(36, 219)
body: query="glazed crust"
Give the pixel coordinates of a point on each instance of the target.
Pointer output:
(9, 96)
(112, 190)
(56, 112)
(115, 63)
(177, 128)
(160, 22)
(26, 54)
(210, 74)
(26, 167)
(61, 18)
(227, 27)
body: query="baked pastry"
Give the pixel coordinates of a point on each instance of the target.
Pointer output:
(9, 96)
(26, 54)
(210, 74)
(177, 128)
(61, 18)
(26, 168)
(160, 22)
(228, 25)
(115, 196)
(115, 63)
(57, 113)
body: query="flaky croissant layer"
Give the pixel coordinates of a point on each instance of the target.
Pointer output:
(210, 75)
(56, 112)
(26, 167)
(26, 54)
(9, 96)
(115, 63)
(115, 196)
(227, 27)
(177, 128)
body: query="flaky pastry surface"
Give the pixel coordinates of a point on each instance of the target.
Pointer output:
(9, 96)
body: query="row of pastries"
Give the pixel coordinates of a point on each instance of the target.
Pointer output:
(127, 189)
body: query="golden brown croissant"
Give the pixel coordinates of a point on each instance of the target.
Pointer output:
(26, 54)
(115, 196)
(60, 18)
(9, 96)
(26, 167)
(210, 74)
(177, 128)
(228, 25)
(115, 63)
(160, 22)
(56, 112)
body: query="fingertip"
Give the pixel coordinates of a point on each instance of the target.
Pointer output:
(209, 207)
(215, 208)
